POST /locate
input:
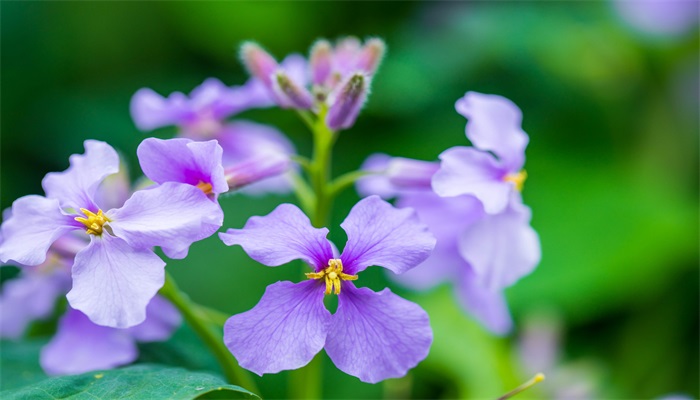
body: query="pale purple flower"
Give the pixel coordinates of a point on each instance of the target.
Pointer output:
(659, 17)
(81, 346)
(373, 336)
(202, 116)
(337, 77)
(117, 273)
(493, 127)
(483, 246)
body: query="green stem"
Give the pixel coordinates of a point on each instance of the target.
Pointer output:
(211, 338)
(344, 181)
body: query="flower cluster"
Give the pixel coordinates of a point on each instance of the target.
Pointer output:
(471, 201)
(92, 239)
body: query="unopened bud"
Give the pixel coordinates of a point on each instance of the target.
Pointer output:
(321, 61)
(406, 173)
(289, 94)
(258, 62)
(256, 169)
(371, 56)
(348, 102)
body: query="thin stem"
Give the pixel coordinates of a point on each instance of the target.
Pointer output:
(304, 193)
(532, 382)
(344, 181)
(211, 338)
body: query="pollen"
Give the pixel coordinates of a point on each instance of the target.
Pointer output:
(93, 222)
(517, 178)
(205, 187)
(333, 274)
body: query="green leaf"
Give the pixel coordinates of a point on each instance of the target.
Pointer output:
(19, 363)
(146, 381)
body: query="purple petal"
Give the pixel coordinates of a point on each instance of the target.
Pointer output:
(259, 63)
(376, 336)
(488, 307)
(321, 60)
(347, 101)
(80, 346)
(465, 170)
(149, 110)
(162, 319)
(297, 69)
(75, 187)
(256, 169)
(283, 331)
(171, 215)
(502, 248)
(283, 235)
(184, 161)
(377, 182)
(371, 55)
(379, 234)
(494, 125)
(114, 189)
(36, 222)
(113, 282)
(29, 297)
(242, 140)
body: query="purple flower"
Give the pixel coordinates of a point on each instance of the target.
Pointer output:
(337, 78)
(117, 273)
(659, 17)
(484, 239)
(494, 126)
(81, 346)
(202, 116)
(373, 336)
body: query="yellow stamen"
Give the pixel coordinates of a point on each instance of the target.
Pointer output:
(333, 275)
(517, 178)
(532, 382)
(93, 222)
(205, 187)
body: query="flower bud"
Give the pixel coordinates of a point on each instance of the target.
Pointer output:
(347, 103)
(371, 55)
(321, 61)
(406, 173)
(259, 63)
(289, 94)
(256, 169)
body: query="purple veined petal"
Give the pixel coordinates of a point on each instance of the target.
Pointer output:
(242, 140)
(35, 223)
(285, 330)
(162, 319)
(376, 182)
(284, 235)
(379, 234)
(113, 282)
(347, 101)
(501, 248)
(376, 336)
(184, 161)
(80, 346)
(75, 187)
(495, 125)
(172, 215)
(149, 110)
(30, 296)
(465, 170)
(487, 306)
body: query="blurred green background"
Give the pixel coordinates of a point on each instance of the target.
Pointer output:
(612, 114)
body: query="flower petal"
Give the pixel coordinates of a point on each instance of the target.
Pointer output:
(35, 223)
(113, 282)
(80, 346)
(494, 125)
(150, 110)
(465, 170)
(376, 336)
(283, 331)
(75, 187)
(184, 161)
(29, 297)
(502, 248)
(487, 306)
(242, 140)
(172, 215)
(283, 235)
(379, 234)
(162, 319)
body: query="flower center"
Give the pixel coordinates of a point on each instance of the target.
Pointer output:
(93, 222)
(517, 178)
(333, 275)
(205, 187)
